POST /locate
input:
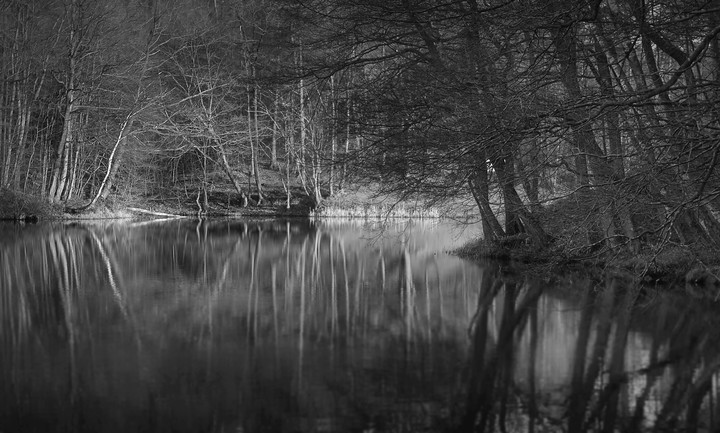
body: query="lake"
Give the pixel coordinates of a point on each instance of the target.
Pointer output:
(333, 326)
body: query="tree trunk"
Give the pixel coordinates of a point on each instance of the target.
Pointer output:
(584, 140)
(23, 125)
(620, 204)
(333, 137)
(62, 156)
(343, 176)
(481, 193)
(203, 207)
(62, 162)
(113, 165)
(315, 169)
(517, 218)
(45, 168)
(530, 179)
(256, 151)
(233, 180)
(300, 153)
(274, 142)
(73, 175)
(286, 183)
(258, 183)
(252, 137)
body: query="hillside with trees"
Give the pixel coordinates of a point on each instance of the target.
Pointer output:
(589, 125)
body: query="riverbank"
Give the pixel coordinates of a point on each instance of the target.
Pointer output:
(697, 265)
(17, 206)
(352, 202)
(693, 268)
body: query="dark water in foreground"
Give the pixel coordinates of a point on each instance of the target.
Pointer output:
(299, 327)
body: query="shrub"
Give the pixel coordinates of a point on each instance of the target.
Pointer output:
(22, 207)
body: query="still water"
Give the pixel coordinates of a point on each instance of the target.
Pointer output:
(295, 326)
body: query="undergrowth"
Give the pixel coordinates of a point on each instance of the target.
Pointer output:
(19, 206)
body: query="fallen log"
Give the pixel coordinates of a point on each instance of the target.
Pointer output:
(150, 212)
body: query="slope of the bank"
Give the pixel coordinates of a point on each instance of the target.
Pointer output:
(694, 268)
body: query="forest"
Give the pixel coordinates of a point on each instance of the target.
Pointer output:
(592, 125)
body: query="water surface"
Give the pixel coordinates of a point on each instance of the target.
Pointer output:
(293, 326)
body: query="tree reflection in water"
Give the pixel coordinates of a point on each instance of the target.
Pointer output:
(612, 360)
(300, 327)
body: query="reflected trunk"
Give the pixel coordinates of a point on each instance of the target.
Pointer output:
(213, 325)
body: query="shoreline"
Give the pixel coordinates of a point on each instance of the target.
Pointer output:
(694, 265)
(697, 272)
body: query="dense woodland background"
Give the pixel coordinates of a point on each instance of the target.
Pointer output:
(593, 124)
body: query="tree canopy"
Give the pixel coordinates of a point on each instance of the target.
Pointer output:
(593, 124)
